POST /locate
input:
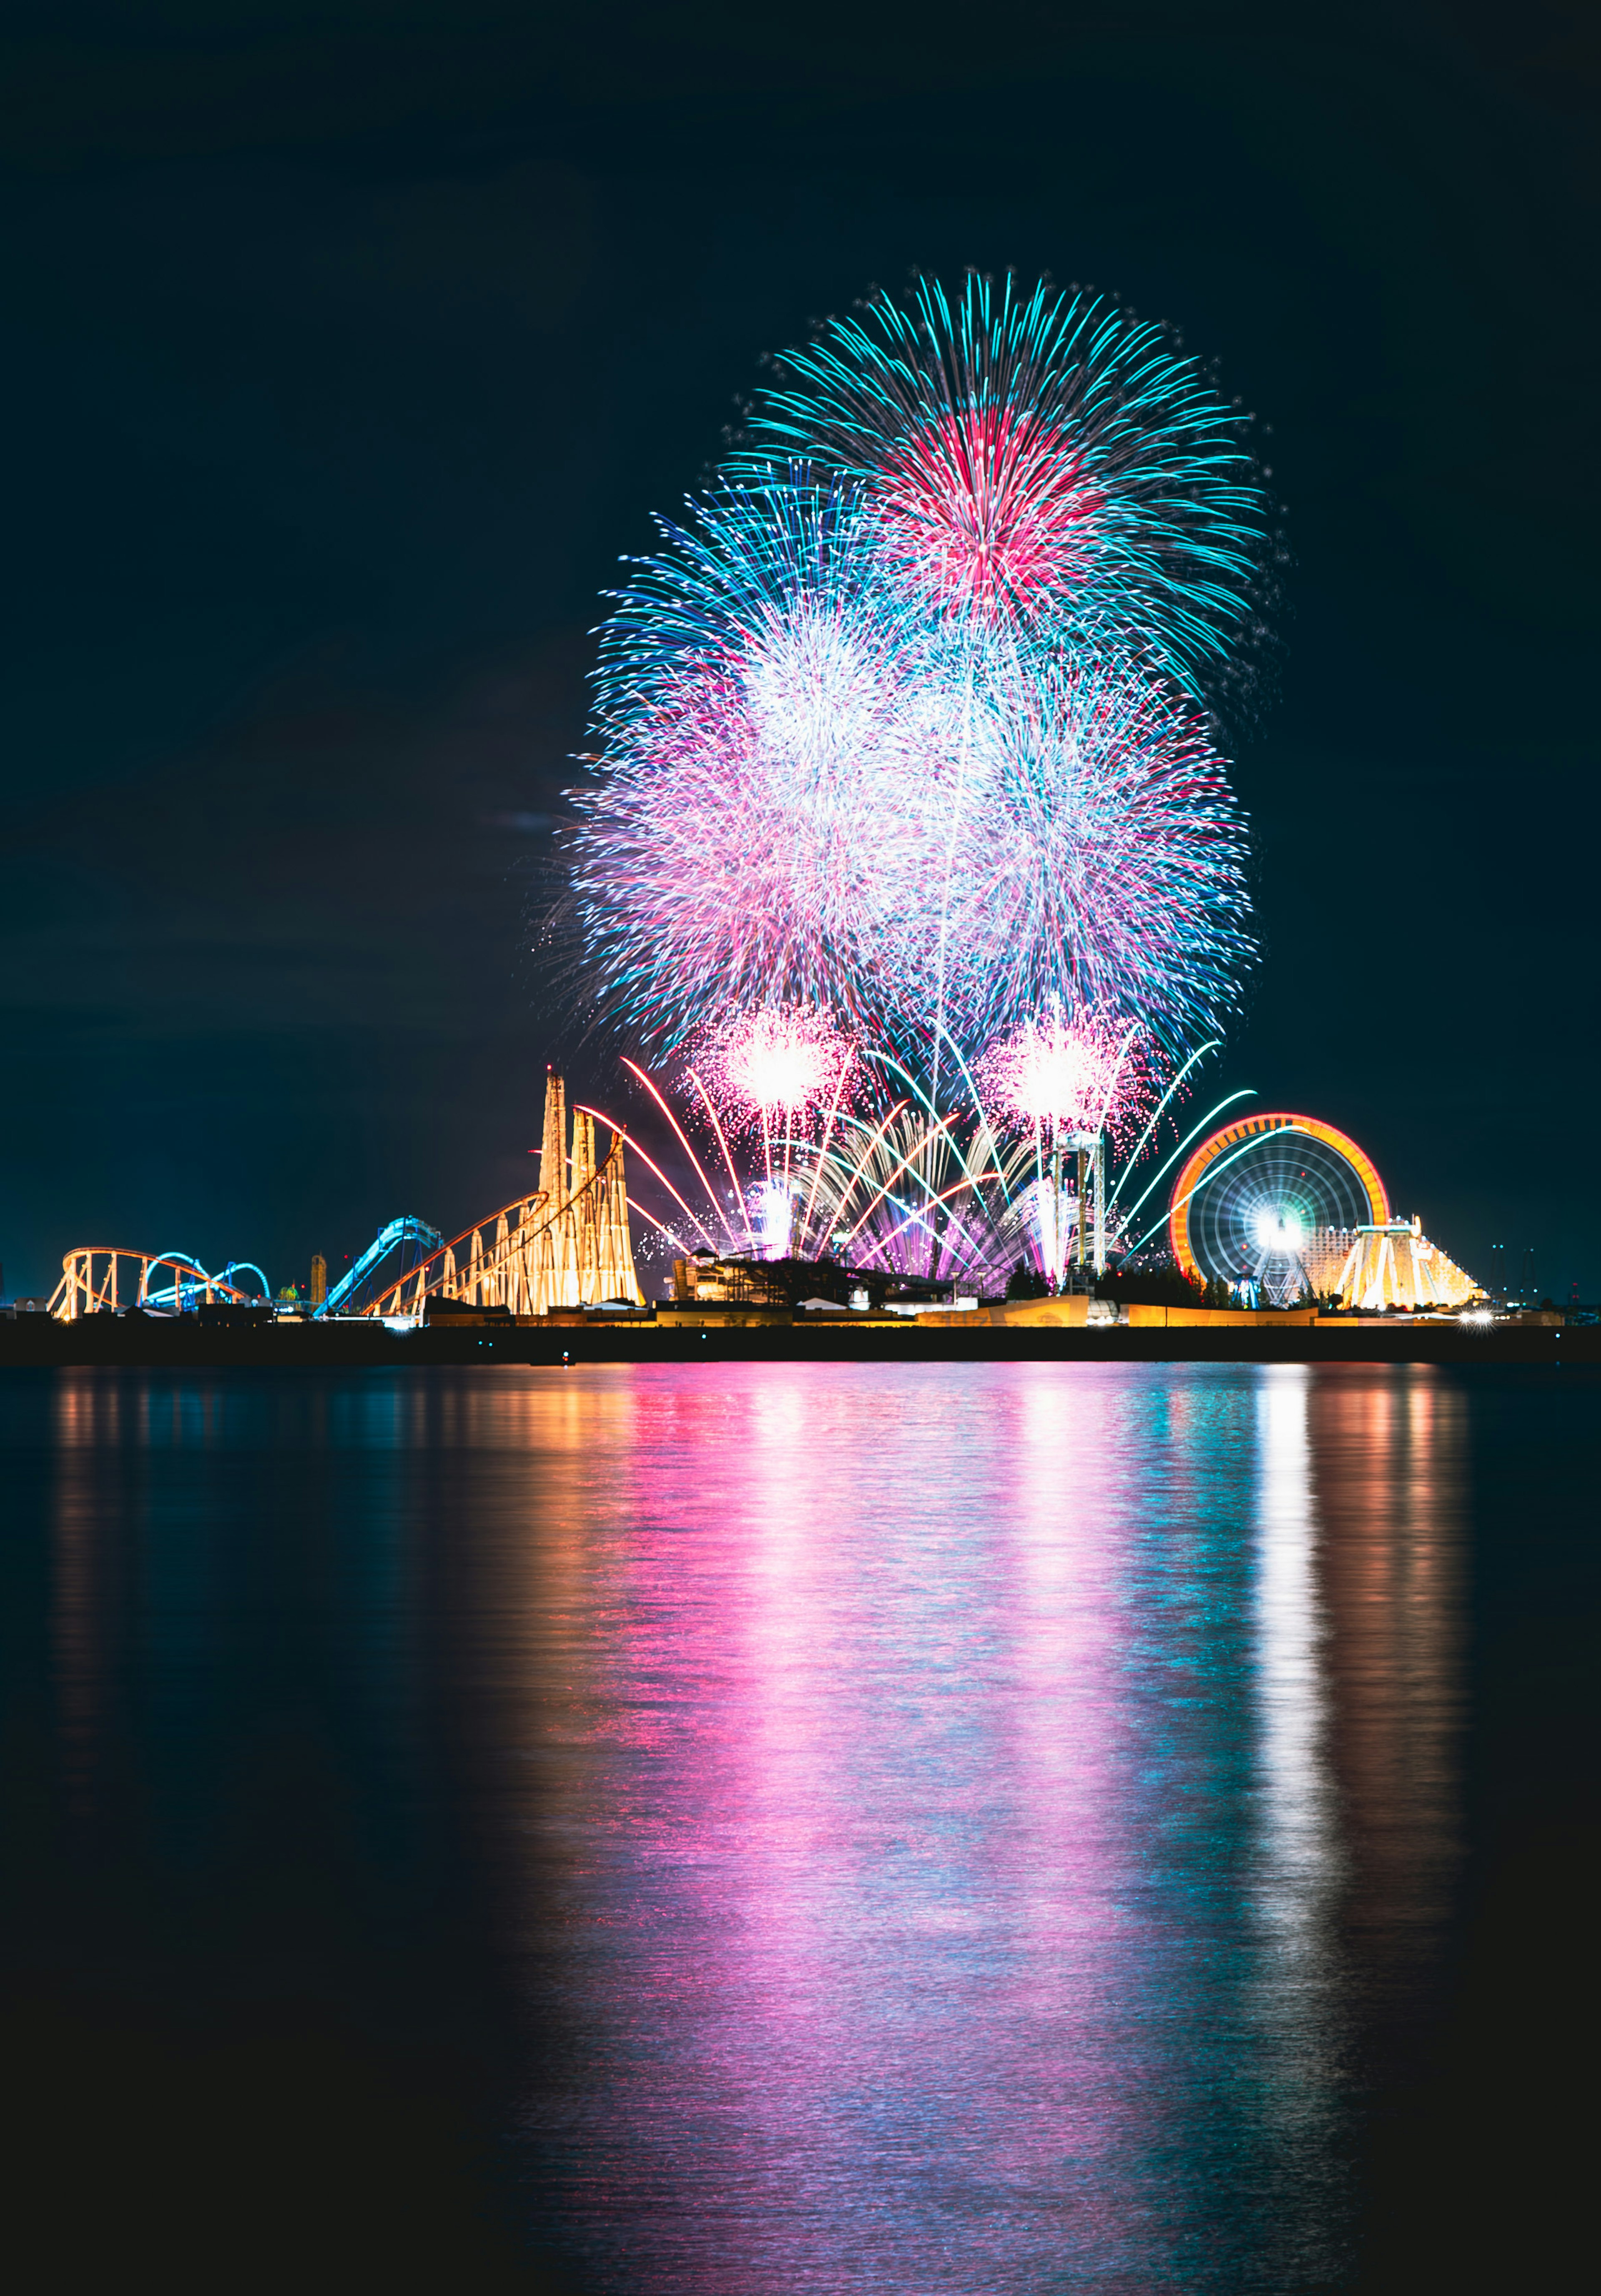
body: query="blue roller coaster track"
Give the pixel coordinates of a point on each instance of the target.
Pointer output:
(398, 1236)
(413, 1239)
(184, 1291)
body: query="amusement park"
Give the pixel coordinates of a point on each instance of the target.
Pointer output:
(906, 891)
(1272, 1216)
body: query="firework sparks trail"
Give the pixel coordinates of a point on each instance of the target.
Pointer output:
(881, 1190)
(707, 1102)
(635, 1070)
(912, 1160)
(781, 1059)
(978, 1228)
(822, 1147)
(1039, 458)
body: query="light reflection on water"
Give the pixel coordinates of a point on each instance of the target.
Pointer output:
(956, 1824)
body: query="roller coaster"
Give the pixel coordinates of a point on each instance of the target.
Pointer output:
(398, 1236)
(103, 1279)
(566, 1245)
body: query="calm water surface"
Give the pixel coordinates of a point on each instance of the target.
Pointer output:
(782, 1828)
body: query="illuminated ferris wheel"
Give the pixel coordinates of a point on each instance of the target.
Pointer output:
(1271, 1206)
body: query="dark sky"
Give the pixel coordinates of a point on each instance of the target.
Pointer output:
(347, 345)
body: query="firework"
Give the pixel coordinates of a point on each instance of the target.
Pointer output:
(901, 1191)
(831, 823)
(1100, 860)
(930, 812)
(769, 714)
(903, 1194)
(775, 1072)
(1073, 1076)
(781, 1062)
(1036, 459)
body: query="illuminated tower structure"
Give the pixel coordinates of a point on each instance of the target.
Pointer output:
(1093, 1191)
(1397, 1267)
(567, 1245)
(576, 1249)
(1070, 1210)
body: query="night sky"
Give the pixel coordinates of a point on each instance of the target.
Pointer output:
(346, 346)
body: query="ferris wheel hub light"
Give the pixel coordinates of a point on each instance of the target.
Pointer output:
(1276, 1228)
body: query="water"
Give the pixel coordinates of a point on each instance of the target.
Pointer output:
(745, 1829)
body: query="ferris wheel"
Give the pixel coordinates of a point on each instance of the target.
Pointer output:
(1269, 1206)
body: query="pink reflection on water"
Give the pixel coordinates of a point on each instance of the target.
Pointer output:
(939, 1798)
(956, 1820)
(870, 1660)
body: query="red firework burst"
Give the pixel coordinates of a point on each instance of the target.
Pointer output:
(990, 510)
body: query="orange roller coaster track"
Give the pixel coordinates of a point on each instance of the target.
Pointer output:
(100, 1278)
(1235, 1137)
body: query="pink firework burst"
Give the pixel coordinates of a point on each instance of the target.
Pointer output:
(784, 1061)
(1083, 1075)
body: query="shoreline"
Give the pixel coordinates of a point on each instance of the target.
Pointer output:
(40, 1342)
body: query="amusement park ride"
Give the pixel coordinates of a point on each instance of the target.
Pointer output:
(1275, 1209)
(1280, 1206)
(566, 1245)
